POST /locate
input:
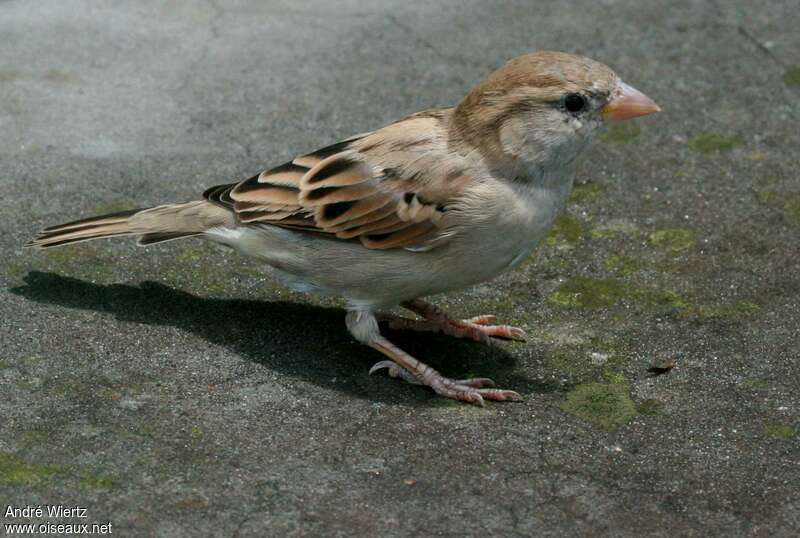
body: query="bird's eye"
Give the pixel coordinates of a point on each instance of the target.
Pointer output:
(574, 102)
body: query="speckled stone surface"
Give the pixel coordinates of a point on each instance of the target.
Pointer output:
(178, 391)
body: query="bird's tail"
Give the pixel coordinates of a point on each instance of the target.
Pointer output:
(152, 225)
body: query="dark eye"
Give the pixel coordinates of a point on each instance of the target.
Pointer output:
(574, 102)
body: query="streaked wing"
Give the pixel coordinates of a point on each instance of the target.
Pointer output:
(388, 189)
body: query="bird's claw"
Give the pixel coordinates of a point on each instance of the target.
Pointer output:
(474, 390)
(395, 371)
(483, 319)
(480, 329)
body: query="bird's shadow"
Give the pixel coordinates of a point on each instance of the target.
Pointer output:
(298, 340)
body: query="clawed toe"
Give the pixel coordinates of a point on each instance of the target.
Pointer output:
(395, 371)
(478, 328)
(484, 319)
(383, 364)
(476, 382)
(505, 332)
(501, 395)
(473, 390)
(467, 390)
(483, 332)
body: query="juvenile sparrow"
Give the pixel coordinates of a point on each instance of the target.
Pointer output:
(437, 201)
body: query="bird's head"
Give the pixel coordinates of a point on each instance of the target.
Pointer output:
(542, 110)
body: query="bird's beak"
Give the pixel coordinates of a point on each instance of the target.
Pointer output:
(627, 103)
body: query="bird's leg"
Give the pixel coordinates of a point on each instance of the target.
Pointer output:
(364, 327)
(478, 328)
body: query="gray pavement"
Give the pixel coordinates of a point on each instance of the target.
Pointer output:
(178, 391)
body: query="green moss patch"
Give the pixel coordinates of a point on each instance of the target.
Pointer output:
(712, 142)
(781, 431)
(82, 260)
(566, 230)
(621, 133)
(768, 197)
(615, 377)
(622, 265)
(14, 470)
(650, 407)
(596, 293)
(64, 256)
(114, 206)
(193, 254)
(730, 310)
(673, 240)
(31, 438)
(602, 233)
(755, 383)
(97, 482)
(608, 405)
(792, 77)
(587, 192)
(788, 201)
(791, 204)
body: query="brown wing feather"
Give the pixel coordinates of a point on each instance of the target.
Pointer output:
(389, 188)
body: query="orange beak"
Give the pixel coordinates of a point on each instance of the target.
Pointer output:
(628, 102)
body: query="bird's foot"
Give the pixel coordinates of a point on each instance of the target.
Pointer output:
(474, 390)
(478, 328)
(396, 371)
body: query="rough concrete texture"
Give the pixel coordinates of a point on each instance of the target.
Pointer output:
(178, 391)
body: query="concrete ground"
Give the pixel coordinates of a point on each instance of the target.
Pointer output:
(178, 391)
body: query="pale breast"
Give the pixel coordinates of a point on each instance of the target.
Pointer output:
(503, 223)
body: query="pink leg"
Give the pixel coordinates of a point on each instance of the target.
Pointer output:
(469, 390)
(363, 325)
(408, 377)
(478, 328)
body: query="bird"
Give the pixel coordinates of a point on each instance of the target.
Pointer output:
(435, 202)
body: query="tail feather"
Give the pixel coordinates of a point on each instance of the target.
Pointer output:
(160, 237)
(154, 225)
(92, 221)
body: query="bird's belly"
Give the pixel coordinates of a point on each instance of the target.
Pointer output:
(512, 235)
(488, 257)
(386, 277)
